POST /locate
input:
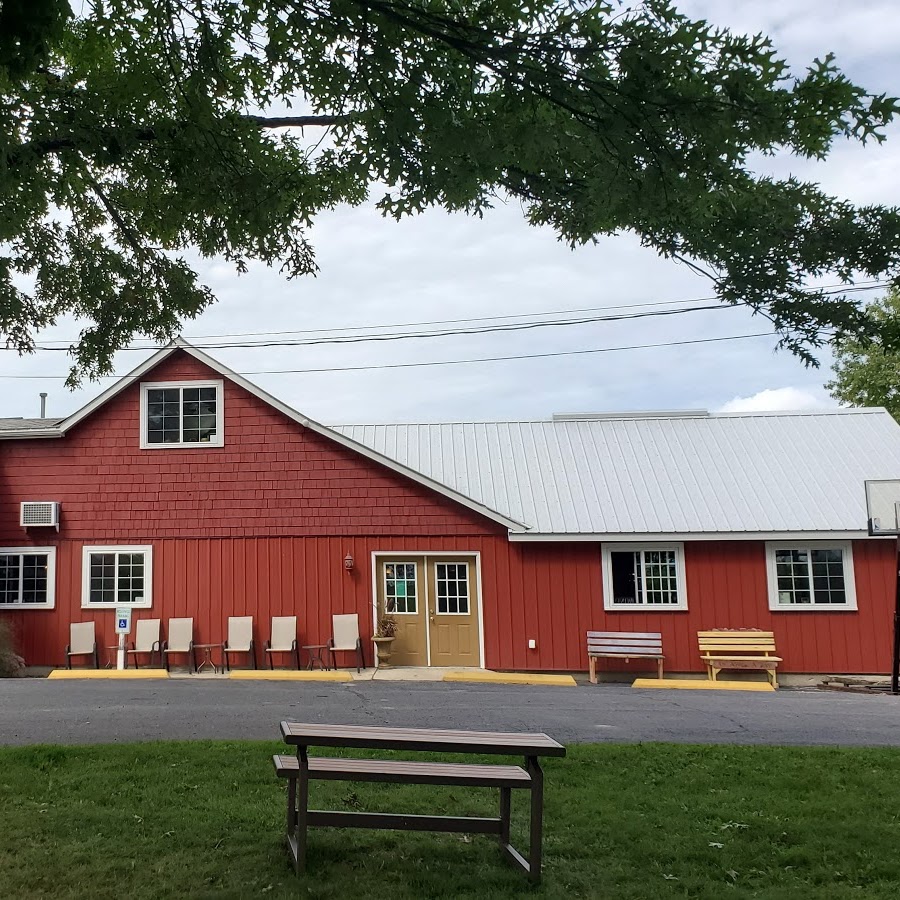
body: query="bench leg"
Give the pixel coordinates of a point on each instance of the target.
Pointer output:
(659, 666)
(505, 808)
(537, 818)
(292, 805)
(592, 669)
(773, 676)
(301, 813)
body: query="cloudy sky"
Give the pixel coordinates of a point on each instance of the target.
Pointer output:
(438, 268)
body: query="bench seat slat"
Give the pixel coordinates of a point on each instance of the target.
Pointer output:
(615, 648)
(327, 768)
(625, 653)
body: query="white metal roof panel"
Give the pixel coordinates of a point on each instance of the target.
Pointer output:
(725, 473)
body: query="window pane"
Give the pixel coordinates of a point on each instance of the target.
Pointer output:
(452, 588)
(400, 588)
(9, 578)
(626, 576)
(102, 578)
(34, 578)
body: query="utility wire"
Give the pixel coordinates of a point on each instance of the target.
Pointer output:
(457, 362)
(829, 290)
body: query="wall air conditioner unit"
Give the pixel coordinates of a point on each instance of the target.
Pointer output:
(40, 513)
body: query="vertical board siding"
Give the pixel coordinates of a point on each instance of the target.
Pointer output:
(551, 593)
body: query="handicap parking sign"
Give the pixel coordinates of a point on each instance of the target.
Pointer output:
(123, 620)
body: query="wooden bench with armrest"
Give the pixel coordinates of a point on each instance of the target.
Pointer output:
(623, 645)
(746, 648)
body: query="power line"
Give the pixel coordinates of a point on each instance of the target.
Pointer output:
(829, 290)
(457, 362)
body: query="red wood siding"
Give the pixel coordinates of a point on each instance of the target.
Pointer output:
(261, 527)
(551, 593)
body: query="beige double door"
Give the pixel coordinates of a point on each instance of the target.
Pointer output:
(434, 600)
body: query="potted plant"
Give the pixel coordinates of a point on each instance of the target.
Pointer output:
(384, 636)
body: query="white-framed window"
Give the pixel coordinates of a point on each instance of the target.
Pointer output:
(644, 577)
(27, 577)
(811, 575)
(452, 588)
(400, 592)
(182, 414)
(117, 576)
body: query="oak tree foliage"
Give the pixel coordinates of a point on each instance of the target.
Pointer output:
(867, 372)
(134, 133)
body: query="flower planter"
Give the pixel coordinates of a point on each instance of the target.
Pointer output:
(383, 646)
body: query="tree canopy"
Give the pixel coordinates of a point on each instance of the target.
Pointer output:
(867, 373)
(137, 130)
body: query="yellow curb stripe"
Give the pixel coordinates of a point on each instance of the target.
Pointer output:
(288, 675)
(510, 678)
(130, 674)
(692, 684)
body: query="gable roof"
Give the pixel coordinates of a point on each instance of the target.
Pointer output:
(54, 428)
(698, 475)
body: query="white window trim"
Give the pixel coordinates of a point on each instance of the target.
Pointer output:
(219, 440)
(680, 575)
(86, 552)
(846, 547)
(51, 576)
(468, 612)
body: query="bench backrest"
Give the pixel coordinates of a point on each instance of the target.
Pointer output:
(624, 642)
(738, 642)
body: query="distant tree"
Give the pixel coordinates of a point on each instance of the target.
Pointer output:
(134, 130)
(866, 373)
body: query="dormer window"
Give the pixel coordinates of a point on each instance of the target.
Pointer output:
(181, 414)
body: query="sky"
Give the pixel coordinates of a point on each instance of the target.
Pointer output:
(439, 267)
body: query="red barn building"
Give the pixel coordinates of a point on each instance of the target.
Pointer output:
(184, 490)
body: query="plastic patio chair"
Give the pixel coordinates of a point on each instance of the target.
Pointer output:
(146, 640)
(346, 638)
(181, 640)
(240, 639)
(283, 638)
(82, 642)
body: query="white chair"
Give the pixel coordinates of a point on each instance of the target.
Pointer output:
(240, 639)
(346, 638)
(283, 638)
(82, 642)
(146, 640)
(181, 640)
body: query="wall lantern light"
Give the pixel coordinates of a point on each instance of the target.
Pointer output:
(348, 563)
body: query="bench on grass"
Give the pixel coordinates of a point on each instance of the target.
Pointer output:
(623, 645)
(299, 770)
(746, 648)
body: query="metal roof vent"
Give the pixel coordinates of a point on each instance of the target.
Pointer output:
(38, 513)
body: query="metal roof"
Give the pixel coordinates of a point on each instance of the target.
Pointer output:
(686, 475)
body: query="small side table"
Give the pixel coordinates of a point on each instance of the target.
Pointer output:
(207, 659)
(112, 657)
(315, 651)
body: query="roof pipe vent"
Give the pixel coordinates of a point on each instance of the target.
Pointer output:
(43, 404)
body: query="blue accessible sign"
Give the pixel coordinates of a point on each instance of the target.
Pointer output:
(123, 620)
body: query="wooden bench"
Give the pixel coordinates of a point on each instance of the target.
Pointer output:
(299, 770)
(623, 645)
(747, 648)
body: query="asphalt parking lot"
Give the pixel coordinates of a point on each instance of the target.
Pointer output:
(78, 712)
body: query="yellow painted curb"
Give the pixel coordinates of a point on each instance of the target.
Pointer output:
(510, 678)
(289, 675)
(109, 673)
(697, 684)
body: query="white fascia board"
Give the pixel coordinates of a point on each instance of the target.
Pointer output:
(696, 536)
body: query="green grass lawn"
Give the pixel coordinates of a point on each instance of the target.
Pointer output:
(206, 819)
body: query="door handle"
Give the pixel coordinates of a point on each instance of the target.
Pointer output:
(431, 614)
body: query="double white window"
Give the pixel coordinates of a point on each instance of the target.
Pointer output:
(117, 576)
(644, 577)
(182, 414)
(27, 577)
(813, 576)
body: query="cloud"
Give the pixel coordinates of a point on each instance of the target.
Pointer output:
(777, 399)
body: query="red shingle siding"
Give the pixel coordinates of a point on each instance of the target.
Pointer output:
(272, 477)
